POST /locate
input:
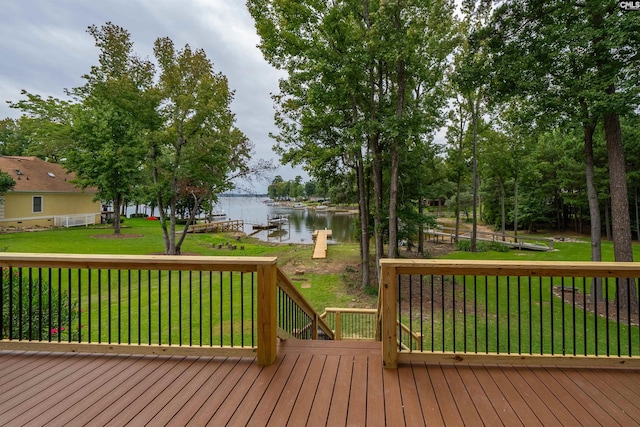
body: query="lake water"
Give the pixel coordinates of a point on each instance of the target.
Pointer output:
(301, 222)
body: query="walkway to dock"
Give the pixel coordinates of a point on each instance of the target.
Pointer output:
(320, 250)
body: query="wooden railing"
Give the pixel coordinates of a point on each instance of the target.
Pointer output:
(189, 305)
(351, 323)
(515, 312)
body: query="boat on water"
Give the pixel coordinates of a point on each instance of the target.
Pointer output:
(277, 219)
(322, 208)
(217, 215)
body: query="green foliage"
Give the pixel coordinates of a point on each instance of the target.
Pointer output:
(464, 245)
(6, 182)
(32, 309)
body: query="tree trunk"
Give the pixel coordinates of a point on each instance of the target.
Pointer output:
(117, 201)
(503, 211)
(474, 229)
(594, 206)
(637, 215)
(363, 204)
(421, 226)
(620, 220)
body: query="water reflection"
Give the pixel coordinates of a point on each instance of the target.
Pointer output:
(301, 222)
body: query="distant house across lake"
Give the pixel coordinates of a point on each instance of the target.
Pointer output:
(44, 196)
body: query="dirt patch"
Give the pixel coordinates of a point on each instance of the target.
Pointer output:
(601, 308)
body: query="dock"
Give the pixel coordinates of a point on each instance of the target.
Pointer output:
(217, 227)
(320, 249)
(521, 242)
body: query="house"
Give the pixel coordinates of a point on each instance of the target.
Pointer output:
(44, 196)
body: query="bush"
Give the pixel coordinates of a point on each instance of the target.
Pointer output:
(37, 312)
(481, 246)
(138, 215)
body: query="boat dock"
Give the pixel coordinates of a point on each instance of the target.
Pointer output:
(320, 249)
(217, 227)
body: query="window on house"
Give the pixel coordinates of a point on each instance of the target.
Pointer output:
(37, 204)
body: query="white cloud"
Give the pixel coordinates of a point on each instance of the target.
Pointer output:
(45, 48)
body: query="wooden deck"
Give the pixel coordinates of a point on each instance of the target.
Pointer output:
(312, 383)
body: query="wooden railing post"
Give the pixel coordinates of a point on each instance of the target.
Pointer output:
(267, 317)
(389, 315)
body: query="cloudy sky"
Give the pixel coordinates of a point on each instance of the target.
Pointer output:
(44, 48)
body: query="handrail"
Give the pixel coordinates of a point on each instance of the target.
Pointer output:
(356, 329)
(511, 311)
(285, 284)
(146, 304)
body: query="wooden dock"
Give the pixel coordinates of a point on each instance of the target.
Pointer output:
(522, 242)
(320, 249)
(217, 227)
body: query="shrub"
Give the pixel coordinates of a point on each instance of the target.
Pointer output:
(37, 311)
(481, 246)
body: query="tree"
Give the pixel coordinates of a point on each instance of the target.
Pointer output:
(363, 85)
(580, 60)
(198, 151)
(6, 183)
(114, 114)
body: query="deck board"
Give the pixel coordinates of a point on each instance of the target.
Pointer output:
(314, 384)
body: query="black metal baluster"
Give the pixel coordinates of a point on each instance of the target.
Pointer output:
(253, 310)
(231, 306)
(119, 306)
(508, 314)
(497, 315)
(530, 318)
(242, 308)
(606, 311)
(221, 311)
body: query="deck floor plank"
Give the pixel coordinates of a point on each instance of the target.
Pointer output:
(217, 398)
(169, 392)
(599, 386)
(246, 408)
(410, 398)
(187, 393)
(427, 394)
(202, 393)
(291, 392)
(339, 409)
(141, 395)
(309, 390)
(20, 390)
(124, 393)
(466, 408)
(322, 403)
(116, 371)
(375, 393)
(267, 402)
(507, 408)
(230, 405)
(481, 399)
(552, 396)
(55, 394)
(445, 399)
(591, 398)
(393, 410)
(315, 384)
(357, 408)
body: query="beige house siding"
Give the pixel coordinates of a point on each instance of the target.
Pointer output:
(18, 208)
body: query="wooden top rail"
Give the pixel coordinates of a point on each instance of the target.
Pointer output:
(350, 310)
(136, 262)
(285, 284)
(513, 268)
